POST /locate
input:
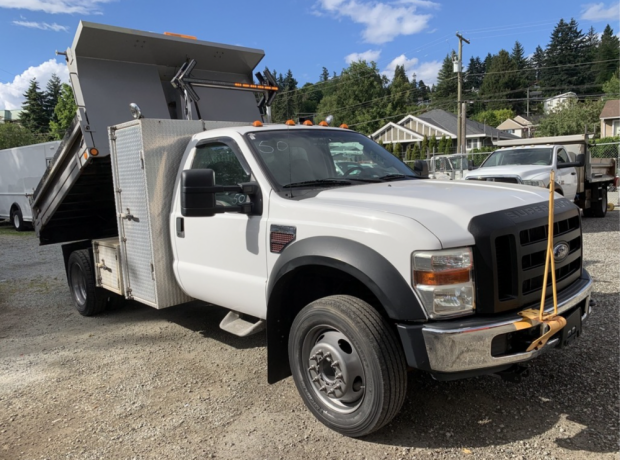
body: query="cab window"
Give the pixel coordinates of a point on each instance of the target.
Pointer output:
(563, 157)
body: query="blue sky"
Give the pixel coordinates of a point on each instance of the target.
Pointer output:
(299, 35)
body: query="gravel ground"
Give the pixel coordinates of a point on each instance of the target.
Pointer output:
(142, 383)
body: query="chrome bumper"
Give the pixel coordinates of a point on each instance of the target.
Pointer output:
(469, 348)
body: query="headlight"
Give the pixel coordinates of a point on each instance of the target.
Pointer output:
(444, 281)
(534, 183)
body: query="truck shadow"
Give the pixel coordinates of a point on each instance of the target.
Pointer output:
(565, 387)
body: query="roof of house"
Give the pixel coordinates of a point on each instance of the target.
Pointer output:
(511, 124)
(611, 109)
(448, 122)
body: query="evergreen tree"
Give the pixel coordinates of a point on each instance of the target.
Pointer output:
(398, 150)
(423, 91)
(499, 81)
(424, 146)
(432, 144)
(390, 148)
(538, 62)
(408, 152)
(474, 75)
(447, 148)
(414, 93)
(34, 117)
(521, 79)
(607, 56)
(566, 48)
(64, 113)
(611, 88)
(51, 96)
(399, 92)
(415, 151)
(447, 82)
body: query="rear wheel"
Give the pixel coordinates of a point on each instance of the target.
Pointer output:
(17, 219)
(88, 298)
(599, 207)
(347, 364)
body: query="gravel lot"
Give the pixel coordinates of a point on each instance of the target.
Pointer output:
(141, 383)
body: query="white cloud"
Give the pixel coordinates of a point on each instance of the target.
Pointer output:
(598, 12)
(12, 94)
(368, 56)
(426, 71)
(382, 21)
(42, 25)
(56, 6)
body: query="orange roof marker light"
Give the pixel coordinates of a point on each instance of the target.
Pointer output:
(253, 86)
(94, 152)
(257, 124)
(289, 123)
(170, 34)
(323, 123)
(344, 126)
(308, 123)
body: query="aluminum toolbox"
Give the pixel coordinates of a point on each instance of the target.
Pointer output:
(108, 272)
(146, 154)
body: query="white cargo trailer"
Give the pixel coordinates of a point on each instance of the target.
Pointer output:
(21, 169)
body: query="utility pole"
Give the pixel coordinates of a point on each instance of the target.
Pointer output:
(458, 67)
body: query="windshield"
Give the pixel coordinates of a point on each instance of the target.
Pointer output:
(324, 158)
(541, 157)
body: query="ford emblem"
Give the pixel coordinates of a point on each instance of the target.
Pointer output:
(560, 251)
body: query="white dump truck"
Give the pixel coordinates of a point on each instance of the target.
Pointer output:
(579, 177)
(357, 271)
(21, 169)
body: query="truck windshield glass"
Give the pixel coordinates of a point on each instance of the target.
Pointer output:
(324, 158)
(541, 157)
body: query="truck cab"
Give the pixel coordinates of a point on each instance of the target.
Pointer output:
(530, 165)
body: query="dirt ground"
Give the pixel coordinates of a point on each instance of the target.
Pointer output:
(141, 383)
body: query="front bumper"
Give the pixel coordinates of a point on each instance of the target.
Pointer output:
(482, 345)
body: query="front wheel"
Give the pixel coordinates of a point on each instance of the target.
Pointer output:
(17, 219)
(347, 364)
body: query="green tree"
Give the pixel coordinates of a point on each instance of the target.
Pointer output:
(574, 118)
(499, 82)
(415, 152)
(51, 96)
(611, 88)
(474, 75)
(64, 113)
(447, 147)
(356, 101)
(399, 90)
(566, 49)
(424, 146)
(538, 62)
(15, 135)
(432, 144)
(606, 56)
(398, 150)
(389, 148)
(493, 118)
(34, 116)
(447, 82)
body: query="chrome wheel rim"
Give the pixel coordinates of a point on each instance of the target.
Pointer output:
(16, 220)
(334, 369)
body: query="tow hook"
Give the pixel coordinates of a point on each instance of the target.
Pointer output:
(514, 373)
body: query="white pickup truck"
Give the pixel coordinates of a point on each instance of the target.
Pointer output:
(578, 177)
(357, 271)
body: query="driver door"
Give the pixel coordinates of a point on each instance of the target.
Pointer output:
(221, 259)
(567, 178)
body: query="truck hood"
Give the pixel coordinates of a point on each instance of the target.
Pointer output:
(523, 171)
(445, 208)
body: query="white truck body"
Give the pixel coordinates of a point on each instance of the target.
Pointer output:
(21, 169)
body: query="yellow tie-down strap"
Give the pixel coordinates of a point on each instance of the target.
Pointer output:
(532, 317)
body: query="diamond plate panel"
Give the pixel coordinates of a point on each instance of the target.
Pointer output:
(146, 155)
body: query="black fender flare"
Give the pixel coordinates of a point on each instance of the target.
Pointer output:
(355, 259)
(363, 263)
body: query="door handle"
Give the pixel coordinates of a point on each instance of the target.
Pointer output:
(573, 173)
(180, 227)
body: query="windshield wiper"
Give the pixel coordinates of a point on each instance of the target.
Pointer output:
(388, 177)
(317, 182)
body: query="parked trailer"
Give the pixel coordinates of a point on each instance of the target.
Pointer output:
(357, 271)
(21, 169)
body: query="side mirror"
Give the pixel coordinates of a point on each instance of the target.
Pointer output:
(581, 160)
(198, 192)
(470, 165)
(421, 168)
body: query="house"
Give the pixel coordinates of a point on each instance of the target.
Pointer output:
(557, 102)
(7, 116)
(520, 126)
(438, 123)
(610, 119)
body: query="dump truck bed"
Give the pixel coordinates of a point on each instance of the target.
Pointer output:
(111, 67)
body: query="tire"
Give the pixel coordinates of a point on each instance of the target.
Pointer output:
(89, 299)
(341, 341)
(17, 219)
(599, 207)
